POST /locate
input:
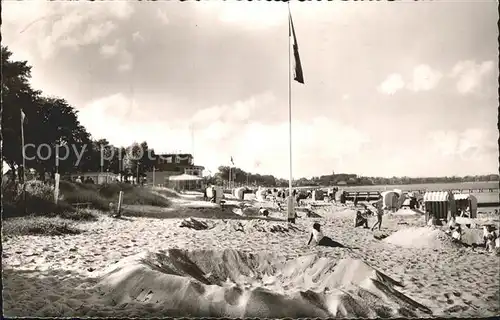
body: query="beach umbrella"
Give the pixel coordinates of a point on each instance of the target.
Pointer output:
(186, 179)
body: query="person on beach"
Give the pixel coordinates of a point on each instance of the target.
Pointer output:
(331, 195)
(431, 222)
(360, 220)
(380, 212)
(343, 198)
(355, 201)
(263, 212)
(489, 236)
(318, 239)
(452, 224)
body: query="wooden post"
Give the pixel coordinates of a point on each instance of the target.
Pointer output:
(154, 176)
(119, 208)
(56, 187)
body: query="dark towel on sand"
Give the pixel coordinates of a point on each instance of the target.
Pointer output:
(328, 242)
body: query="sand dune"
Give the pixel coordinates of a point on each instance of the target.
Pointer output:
(423, 237)
(230, 283)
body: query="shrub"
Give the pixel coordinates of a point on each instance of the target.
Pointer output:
(87, 196)
(38, 200)
(79, 215)
(66, 186)
(112, 190)
(38, 189)
(145, 197)
(166, 192)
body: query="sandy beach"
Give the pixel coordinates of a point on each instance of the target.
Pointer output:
(243, 267)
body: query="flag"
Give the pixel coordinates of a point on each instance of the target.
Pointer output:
(232, 161)
(22, 116)
(297, 69)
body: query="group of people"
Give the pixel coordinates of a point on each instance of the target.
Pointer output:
(213, 196)
(362, 218)
(491, 240)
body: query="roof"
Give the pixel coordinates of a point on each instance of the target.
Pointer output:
(384, 193)
(194, 166)
(94, 173)
(175, 154)
(436, 196)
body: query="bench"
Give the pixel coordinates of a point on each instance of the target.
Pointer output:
(362, 195)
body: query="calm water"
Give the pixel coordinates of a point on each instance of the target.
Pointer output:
(430, 186)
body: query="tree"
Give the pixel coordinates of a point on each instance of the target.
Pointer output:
(58, 127)
(138, 159)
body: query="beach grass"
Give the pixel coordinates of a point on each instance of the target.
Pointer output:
(39, 198)
(39, 226)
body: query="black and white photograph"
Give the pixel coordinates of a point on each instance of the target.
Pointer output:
(250, 159)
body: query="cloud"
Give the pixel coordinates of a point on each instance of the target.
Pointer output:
(110, 50)
(471, 75)
(238, 111)
(223, 58)
(56, 25)
(393, 83)
(122, 56)
(470, 144)
(224, 131)
(251, 15)
(137, 37)
(424, 78)
(126, 61)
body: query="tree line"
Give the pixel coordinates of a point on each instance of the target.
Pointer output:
(241, 177)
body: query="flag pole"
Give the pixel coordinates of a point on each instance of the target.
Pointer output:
(291, 215)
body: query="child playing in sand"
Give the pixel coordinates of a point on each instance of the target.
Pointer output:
(380, 212)
(452, 223)
(360, 220)
(489, 236)
(432, 220)
(316, 234)
(264, 212)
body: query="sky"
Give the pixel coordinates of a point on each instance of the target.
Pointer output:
(391, 89)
